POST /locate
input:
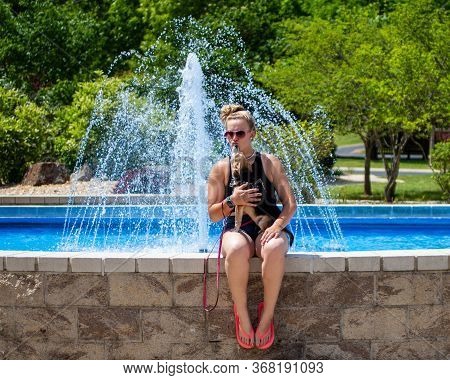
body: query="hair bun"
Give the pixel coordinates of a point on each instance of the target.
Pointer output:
(229, 109)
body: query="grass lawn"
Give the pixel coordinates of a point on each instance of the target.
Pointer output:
(415, 188)
(347, 139)
(359, 163)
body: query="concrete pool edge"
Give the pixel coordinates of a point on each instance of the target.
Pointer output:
(154, 262)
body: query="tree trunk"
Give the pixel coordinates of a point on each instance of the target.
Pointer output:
(392, 172)
(368, 145)
(389, 190)
(432, 142)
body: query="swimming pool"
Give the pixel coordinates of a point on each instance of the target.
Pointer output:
(365, 228)
(337, 297)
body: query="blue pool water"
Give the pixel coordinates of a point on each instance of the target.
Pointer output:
(377, 235)
(39, 229)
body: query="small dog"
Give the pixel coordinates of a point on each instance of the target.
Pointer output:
(239, 171)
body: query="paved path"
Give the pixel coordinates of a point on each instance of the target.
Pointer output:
(356, 174)
(381, 171)
(350, 151)
(357, 151)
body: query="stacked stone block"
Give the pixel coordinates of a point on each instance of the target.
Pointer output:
(354, 311)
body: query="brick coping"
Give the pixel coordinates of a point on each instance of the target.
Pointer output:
(163, 262)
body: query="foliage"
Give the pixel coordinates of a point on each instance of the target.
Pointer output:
(335, 64)
(440, 156)
(25, 136)
(377, 67)
(255, 20)
(415, 96)
(72, 121)
(47, 44)
(69, 37)
(219, 49)
(371, 72)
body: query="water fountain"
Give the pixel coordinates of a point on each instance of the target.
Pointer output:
(192, 144)
(165, 150)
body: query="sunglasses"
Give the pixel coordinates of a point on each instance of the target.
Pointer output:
(239, 134)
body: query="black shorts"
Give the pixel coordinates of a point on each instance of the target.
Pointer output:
(252, 229)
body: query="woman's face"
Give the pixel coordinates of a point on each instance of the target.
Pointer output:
(238, 133)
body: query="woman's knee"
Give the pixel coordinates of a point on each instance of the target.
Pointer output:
(236, 248)
(275, 249)
(236, 254)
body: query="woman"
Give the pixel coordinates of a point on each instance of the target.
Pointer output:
(270, 245)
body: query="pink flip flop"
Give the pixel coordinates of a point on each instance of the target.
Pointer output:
(249, 339)
(268, 336)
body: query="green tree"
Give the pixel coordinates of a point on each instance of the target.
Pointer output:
(46, 47)
(255, 20)
(414, 94)
(369, 73)
(44, 42)
(335, 64)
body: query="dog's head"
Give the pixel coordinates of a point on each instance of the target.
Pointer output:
(239, 166)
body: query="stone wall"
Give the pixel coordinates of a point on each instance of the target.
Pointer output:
(340, 312)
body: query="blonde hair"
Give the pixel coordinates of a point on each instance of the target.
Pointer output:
(236, 111)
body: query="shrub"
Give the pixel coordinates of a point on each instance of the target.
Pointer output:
(72, 121)
(25, 135)
(440, 162)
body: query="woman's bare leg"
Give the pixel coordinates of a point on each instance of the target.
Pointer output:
(272, 271)
(237, 249)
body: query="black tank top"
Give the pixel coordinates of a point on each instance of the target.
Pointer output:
(255, 177)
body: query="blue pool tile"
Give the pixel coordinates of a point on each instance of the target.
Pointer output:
(401, 211)
(440, 210)
(424, 211)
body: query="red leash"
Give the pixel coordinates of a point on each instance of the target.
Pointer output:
(207, 307)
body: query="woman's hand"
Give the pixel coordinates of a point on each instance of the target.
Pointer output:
(245, 197)
(273, 231)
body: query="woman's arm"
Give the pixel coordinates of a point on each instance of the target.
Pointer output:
(217, 207)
